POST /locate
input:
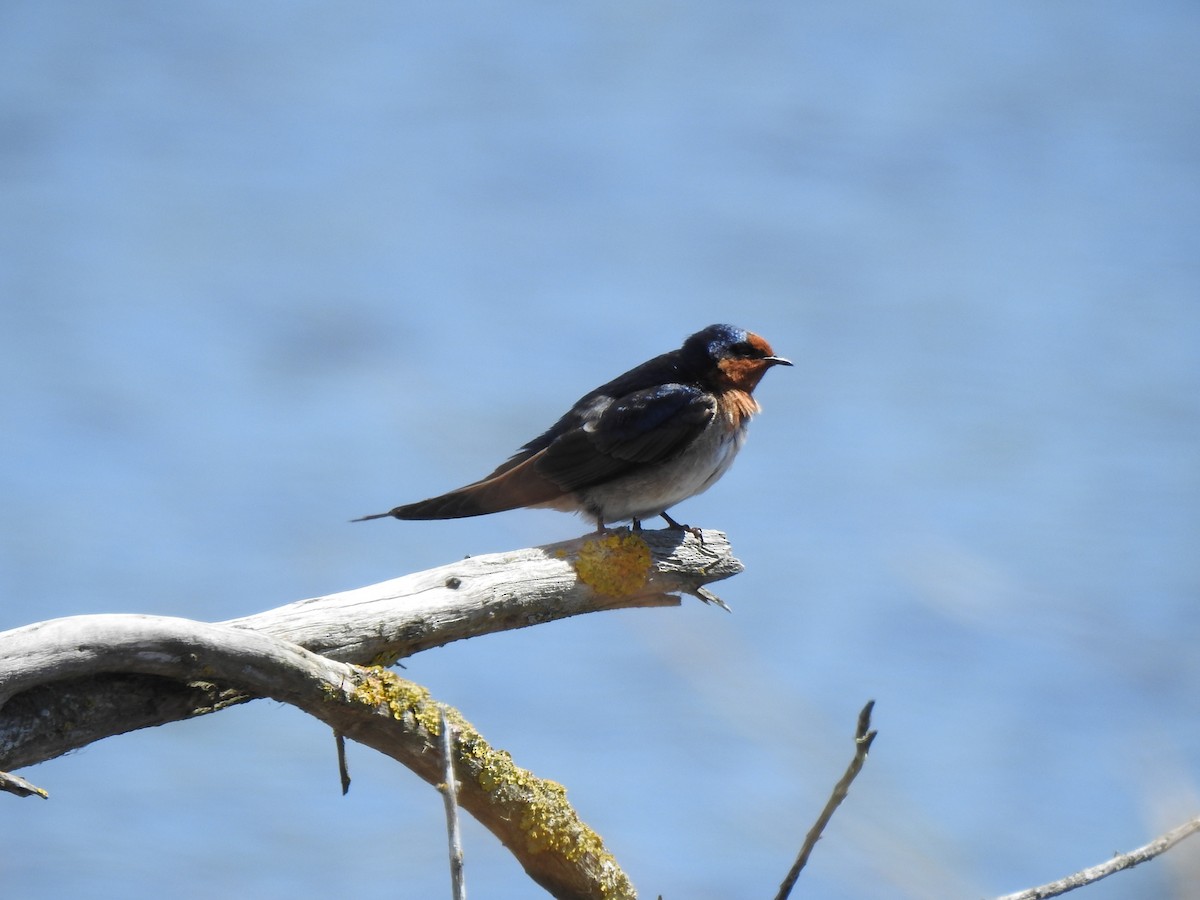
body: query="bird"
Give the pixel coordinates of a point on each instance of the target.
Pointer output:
(634, 447)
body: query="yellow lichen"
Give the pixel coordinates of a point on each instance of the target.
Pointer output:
(616, 564)
(383, 660)
(379, 686)
(539, 806)
(548, 821)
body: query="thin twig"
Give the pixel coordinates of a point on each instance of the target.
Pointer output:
(449, 789)
(1116, 864)
(15, 784)
(863, 737)
(343, 768)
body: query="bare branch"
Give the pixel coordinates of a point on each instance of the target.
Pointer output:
(54, 698)
(374, 707)
(67, 682)
(863, 738)
(479, 595)
(449, 789)
(1116, 864)
(15, 784)
(343, 767)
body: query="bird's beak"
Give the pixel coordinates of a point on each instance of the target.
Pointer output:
(776, 361)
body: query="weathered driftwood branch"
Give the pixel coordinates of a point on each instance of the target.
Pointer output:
(54, 700)
(374, 707)
(67, 682)
(484, 594)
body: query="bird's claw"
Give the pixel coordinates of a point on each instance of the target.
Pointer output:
(697, 533)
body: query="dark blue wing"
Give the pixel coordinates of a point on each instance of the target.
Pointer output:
(639, 429)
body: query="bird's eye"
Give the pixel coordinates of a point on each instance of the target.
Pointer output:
(742, 350)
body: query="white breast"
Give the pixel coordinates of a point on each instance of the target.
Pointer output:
(653, 490)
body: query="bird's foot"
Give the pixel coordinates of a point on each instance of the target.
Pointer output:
(602, 528)
(691, 529)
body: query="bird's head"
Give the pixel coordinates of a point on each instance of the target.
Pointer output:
(733, 357)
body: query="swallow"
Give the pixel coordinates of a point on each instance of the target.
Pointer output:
(634, 447)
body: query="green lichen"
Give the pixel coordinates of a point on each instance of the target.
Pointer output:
(616, 565)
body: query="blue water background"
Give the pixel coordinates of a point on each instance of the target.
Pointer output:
(267, 266)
